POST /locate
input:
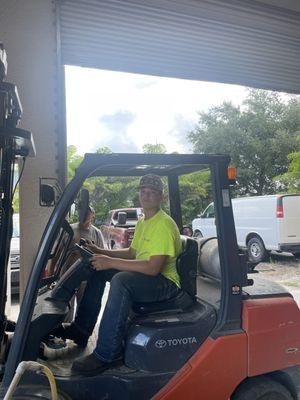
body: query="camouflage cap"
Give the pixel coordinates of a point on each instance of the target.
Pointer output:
(151, 181)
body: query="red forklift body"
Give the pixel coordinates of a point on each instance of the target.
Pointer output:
(270, 342)
(212, 373)
(272, 326)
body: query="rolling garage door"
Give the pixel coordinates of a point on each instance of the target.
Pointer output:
(242, 42)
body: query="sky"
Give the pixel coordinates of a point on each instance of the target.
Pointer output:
(125, 111)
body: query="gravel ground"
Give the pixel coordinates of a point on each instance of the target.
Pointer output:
(284, 269)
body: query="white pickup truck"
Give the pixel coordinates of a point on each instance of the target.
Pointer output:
(262, 223)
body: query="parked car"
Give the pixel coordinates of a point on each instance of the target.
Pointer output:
(15, 256)
(262, 223)
(119, 226)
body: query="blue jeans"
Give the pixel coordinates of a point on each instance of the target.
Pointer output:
(125, 289)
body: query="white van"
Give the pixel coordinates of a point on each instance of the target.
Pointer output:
(262, 223)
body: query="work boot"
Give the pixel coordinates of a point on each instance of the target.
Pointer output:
(91, 365)
(73, 332)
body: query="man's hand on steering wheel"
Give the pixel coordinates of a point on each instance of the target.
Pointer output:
(92, 247)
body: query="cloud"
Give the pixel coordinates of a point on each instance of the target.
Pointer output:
(117, 137)
(119, 121)
(145, 84)
(119, 144)
(125, 111)
(179, 131)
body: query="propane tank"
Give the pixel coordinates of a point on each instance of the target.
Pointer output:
(209, 258)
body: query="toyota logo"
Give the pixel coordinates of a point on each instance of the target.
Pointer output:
(160, 344)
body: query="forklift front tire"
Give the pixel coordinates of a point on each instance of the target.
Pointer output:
(261, 388)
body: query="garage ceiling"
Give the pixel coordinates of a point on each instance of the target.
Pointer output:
(248, 42)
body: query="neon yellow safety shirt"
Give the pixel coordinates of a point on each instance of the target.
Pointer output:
(158, 236)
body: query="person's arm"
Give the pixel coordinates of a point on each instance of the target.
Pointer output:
(128, 253)
(152, 267)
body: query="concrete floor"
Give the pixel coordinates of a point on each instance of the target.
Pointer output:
(13, 305)
(13, 312)
(280, 266)
(12, 308)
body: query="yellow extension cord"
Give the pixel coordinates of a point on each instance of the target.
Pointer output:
(31, 366)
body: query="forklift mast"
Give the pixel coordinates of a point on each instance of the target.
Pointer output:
(14, 143)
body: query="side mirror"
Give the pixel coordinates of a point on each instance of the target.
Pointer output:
(47, 195)
(83, 205)
(122, 218)
(50, 191)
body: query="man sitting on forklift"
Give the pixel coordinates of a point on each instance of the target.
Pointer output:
(144, 272)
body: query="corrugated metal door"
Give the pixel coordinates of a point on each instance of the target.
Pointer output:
(241, 42)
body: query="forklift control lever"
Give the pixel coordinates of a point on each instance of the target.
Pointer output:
(82, 242)
(85, 253)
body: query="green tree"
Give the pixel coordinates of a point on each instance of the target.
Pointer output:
(16, 201)
(195, 194)
(195, 189)
(291, 179)
(73, 160)
(158, 148)
(104, 150)
(258, 136)
(108, 193)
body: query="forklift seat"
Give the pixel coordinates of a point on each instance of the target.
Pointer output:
(186, 265)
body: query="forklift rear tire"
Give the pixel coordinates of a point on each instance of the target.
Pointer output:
(261, 388)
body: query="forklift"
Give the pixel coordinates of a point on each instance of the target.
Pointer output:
(224, 336)
(15, 146)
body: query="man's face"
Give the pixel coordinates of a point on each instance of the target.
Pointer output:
(150, 198)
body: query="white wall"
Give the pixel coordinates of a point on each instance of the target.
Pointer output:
(28, 31)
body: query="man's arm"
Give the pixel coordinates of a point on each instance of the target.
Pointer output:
(152, 267)
(127, 253)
